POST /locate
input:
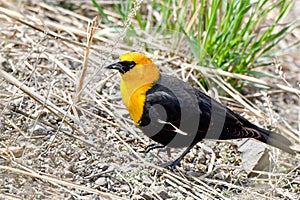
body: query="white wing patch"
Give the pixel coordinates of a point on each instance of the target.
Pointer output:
(176, 130)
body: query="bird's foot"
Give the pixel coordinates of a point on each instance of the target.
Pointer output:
(171, 165)
(153, 146)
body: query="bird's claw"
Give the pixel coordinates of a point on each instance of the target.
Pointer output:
(170, 165)
(153, 146)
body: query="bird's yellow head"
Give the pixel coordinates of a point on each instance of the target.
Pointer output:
(127, 61)
(138, 75)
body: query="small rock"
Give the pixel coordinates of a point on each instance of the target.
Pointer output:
(68, 174)
(254, 155)
(147, 196)
(37, 129)
(82, 156)
(164, 195)
(101, 181)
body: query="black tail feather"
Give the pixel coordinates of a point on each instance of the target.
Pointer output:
(276, 140)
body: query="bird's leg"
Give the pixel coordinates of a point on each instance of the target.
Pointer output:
(176, 162)
(153, 146)
(166, 149)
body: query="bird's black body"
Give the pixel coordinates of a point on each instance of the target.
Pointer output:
(197, 115)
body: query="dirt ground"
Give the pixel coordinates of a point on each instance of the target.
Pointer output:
(54, 147)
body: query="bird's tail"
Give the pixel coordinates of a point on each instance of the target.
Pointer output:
(276, 140)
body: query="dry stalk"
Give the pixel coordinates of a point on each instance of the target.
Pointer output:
(47, 104)
(85, 61)
(219, 72)
(60, 182)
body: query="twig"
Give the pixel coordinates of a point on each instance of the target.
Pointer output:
(60, 182)
(85, 61)
(41, 100)
(210, 71)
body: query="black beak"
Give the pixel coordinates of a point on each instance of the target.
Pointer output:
(121, 66)
(116, 65)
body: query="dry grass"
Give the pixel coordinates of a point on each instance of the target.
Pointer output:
(55, 145)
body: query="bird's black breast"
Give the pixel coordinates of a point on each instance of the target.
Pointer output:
(171, 105)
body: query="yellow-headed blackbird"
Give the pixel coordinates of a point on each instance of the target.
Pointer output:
(175, 114)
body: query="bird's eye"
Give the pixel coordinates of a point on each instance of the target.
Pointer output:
(127, 65)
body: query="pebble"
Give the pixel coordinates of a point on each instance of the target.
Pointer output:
(101, 181)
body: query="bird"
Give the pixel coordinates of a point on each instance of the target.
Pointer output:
(175, 114)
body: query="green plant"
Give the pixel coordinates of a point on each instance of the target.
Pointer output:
(100, 10)
(232, 35)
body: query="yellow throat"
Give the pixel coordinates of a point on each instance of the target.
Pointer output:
(136, 82)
